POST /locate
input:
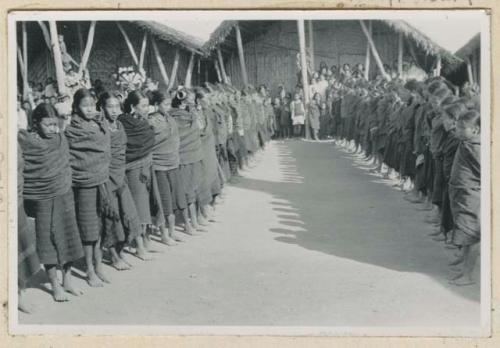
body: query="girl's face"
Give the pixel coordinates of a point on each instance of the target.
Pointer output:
(87, 108)
(467, 130)
(448, 122)
(142, 108)
(296, 97)
(48, 126)
(112, 109)
(165, 106)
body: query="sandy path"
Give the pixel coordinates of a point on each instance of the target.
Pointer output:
(305, 238)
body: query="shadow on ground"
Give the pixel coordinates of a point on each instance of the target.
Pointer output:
(326, 203)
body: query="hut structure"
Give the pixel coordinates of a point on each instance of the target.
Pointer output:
(165, 54)
(266, 51)
(470, 69)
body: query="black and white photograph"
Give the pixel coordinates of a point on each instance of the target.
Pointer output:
(250, 172)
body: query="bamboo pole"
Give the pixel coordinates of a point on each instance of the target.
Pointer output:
(221, 64)
(374, 50)
(159, 60)
(21, 63)
(80, 38)
(173, 74)
(129, 44)
(217, 69)
(400, 55)
(25, 61)
(469, 71)
(88, 48)
(303, 63)
(57, 58)
(46, 34)
(438, 65)
(241, 55)
(368, 54)
(189, 71)
(143, 51)
(311, 43)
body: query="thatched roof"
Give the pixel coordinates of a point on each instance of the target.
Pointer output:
(469, 48)
(175, 37)
(421, 40)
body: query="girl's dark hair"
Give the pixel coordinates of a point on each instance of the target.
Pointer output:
(156, 97)
(77, 98)
(472, 117)
(43, 110)
(133, 99)
(103, 99)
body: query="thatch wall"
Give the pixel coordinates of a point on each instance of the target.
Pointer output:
(109, 51)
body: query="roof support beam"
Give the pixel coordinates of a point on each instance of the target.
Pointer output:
(88, 47)
(217, 69)
(46, 34)
(222, 68)
(57, 57)
(159, 60)
(469, 71)
(129, 44)
(368, 54)
(175, 67)
(303, 70)
(241, 55)
(400, 55)
(438, 65)
(143, 52)
(311, 43)
(189, 72)
(374, 50)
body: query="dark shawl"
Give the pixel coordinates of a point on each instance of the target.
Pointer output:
(140, 137)
(47, 173)
(117, 164)
(189, 135)
(166, 147)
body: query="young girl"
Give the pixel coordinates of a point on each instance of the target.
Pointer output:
(138, 166)
(166, 165)
(125, 227)
(28, 263)
(49, 198)
(190, 153)
(90, 155)
(314, 115)
(298, 115)
(465, 194)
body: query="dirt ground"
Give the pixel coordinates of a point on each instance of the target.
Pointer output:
(305, 238)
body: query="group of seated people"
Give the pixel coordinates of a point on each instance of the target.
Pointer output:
(117, 175)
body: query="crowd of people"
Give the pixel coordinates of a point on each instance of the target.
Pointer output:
(121, 172)
(108, 171)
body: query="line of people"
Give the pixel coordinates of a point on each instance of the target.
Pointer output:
(427, 139)
(119, 176)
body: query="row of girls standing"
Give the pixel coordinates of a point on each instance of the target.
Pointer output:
(118, 176)
(428, 139)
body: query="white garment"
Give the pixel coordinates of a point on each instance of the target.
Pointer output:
(22, 119)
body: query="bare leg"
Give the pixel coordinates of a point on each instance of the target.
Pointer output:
(188, 229)
(98, 262)
(116, 261)
(68, 280)
(21, 302)
(92, 278)
(57, 291)
(171, 229)
(165, 236)
(141, 250)
(471, 253)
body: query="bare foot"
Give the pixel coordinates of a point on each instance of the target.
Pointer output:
(73, 290)
(462, 281)
(177, 238)
(120, 265)
(101, 275)
(457, 261)
(59, 295)
(94, 280)
(455, 275)
(141, 254)
(168, 241)
(23, 306)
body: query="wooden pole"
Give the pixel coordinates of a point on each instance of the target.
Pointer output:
(163, 71)
(57, 58)
(374, 50)
(217, 69)
(173, 74)
(400, 55)
(474, 65)
(368, 54)
(129, 44)
(189, 71)
(469, 71)
(221, 64)
(438, 65)
(80, 38)
(206, 71)
(88, 48)
(303, 66)
(143, 52)
(46, 35)
(311, 43)
(241, 55)
(21, 63)
(25, 61)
